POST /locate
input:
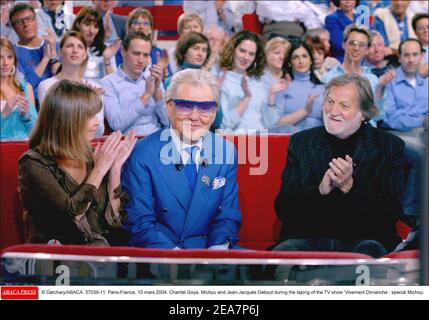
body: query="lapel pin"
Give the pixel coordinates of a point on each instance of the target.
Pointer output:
(206, 180)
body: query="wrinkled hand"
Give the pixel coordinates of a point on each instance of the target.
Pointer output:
(105, 155)
(310, 102)
(111, 50)
(387, 77)
(23, 104)
(126, 146)
(245, 87)
(341, 171)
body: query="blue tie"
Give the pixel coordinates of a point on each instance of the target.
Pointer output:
(191, 167)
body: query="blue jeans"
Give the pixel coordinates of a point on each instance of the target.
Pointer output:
(369, 247)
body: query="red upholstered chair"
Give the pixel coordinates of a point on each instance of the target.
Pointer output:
(407, 254)
(251, 23)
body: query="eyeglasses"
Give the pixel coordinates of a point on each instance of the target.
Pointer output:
(20, 22)
(185, 107)
(355, 43)
(141, 22)
(421, 29)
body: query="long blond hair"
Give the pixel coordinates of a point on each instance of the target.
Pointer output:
(60, 130)
(5, 43)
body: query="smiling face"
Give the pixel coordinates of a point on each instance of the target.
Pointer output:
(422, 31)
(244, 55)
(342, 115)
(73, 52)
(192, 127)
(356, 47)
(276, 57)
(375, 53)
(89, 31)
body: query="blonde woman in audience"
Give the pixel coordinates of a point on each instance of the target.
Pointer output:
(275, 50)
(101, 59)
(187, 22)
(18, 112)
(73, 52)
(70, 193)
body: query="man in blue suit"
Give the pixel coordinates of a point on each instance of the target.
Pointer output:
(181, 180)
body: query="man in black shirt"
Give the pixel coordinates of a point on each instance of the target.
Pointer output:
(342, 183)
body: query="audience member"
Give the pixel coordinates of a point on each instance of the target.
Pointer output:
(51, 15)
(276, 50)
(6, 29)
(322, 63)
(71, 194)
(187, 22)
(217, 41)
(337, 22)
(73, 53)
(420, 25)
(301, 102)
(114, 24)
(394, 24)
(101, 59)
(218, 12)
(18, 112)
(190, 195)
(244, 100)
(37, 57)
(342, 182)
(133, 97)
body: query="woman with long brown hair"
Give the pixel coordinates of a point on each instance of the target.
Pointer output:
(18, 112)
(70, 193)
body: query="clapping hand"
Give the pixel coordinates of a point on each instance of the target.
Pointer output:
(23, 104)
(245, 87)
(111, 50)
(310, 102)
(124, 151)
(339, 175)
(105, 154)
(108, 25)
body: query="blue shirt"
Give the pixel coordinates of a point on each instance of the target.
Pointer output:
(15, 126)
(28, 58)
(406, 106)
(380, 4)
(295, 98)
(123, 108)
(256, 116)
(336, 23)
(402, 25)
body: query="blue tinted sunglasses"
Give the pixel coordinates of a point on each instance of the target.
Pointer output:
(185, 107)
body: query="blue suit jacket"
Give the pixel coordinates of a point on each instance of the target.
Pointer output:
(163, 212)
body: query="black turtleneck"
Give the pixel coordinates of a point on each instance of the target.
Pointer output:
(342, 147)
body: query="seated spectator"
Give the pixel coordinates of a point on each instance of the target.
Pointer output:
(217, 41)
(51, 15)
(322, 63)
(133, 97)
(337, 22)
(141, 20)
(101, 60)
(192, 51)
(394, 24)
(218, 13)
(114, 24)
(6, 29)
(406, 106)
(406, 101)
(421, 28)
(73, 52)
(341, 186)
(287, 19)
(275, 50)
(244, 100)
(71, 194)
(301, 102)
(375, 58)
(180, 198)
(18, 112)
(187, 22)
(356, 44)
(37, 57)
(135, 3)
(418, 6)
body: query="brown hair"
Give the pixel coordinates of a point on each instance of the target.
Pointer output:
(139, 12)
(61, 126)
(77, 35)
(315, 45)
(5, 43)
(256, 69)
(88, 15)
(185, 42)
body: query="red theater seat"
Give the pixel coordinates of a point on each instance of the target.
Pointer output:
(407, 254)
(251, 23)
